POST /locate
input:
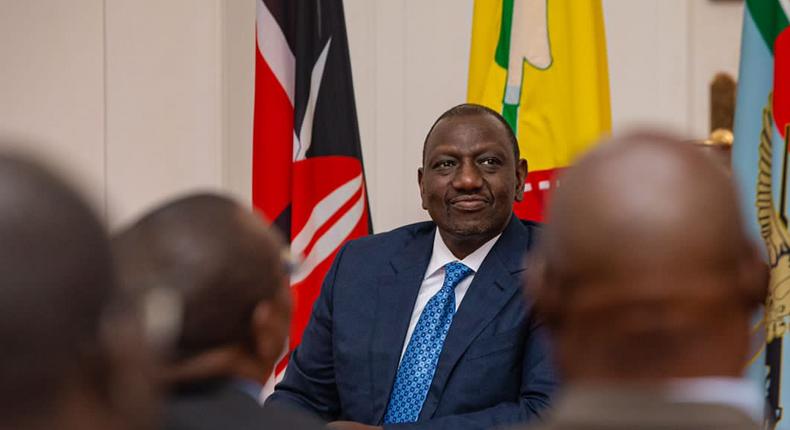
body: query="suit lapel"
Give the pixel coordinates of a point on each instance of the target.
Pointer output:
(397, 292)
(493, 286)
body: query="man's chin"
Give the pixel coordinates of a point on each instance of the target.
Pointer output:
(471, 230)
(482, 225)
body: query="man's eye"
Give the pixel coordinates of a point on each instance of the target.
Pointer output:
(444, 163)
(490, 161)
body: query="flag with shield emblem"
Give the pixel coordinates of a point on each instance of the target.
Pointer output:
(760, 165)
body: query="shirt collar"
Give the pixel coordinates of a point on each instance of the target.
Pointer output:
(250, 387)
(442, 255)
(739, 393)
(622, 404)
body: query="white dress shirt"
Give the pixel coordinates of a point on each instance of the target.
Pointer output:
(434, 278)
(739, 393)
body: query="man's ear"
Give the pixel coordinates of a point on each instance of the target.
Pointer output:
(521, 176)
(754, 277)
(538, 289)
(128, 364)
(269, 327)
(267, 343)
(422, 189)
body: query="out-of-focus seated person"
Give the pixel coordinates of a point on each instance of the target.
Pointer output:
(648, 282)
(71, 353)
(227, 269)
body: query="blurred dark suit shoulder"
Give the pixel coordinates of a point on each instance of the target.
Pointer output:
(620, 409)
(219, 405)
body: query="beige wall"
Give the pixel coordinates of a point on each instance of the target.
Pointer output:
(662, 56)
(52, 85)
(138, 100)
(142, 99)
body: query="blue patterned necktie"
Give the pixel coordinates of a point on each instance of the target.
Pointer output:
(419, 361)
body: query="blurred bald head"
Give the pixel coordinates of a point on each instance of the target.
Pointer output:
(56, 288)
(647, 271)
(227, 268)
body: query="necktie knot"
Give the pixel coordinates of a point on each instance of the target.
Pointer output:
(454, 273)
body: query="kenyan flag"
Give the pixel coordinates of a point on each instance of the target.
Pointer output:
(307, 173)
(760, 164)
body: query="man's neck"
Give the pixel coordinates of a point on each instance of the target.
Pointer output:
(462, 246)
(252, 369)
(229, 361)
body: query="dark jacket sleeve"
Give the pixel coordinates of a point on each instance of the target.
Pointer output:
(538, 383)
(309, 381)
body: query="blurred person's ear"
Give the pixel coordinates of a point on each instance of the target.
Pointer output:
(539, 290)
(753, 278)
(270, 324)
(133, 392)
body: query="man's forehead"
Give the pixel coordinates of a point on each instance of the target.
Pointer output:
(472, 122)
(473, 129)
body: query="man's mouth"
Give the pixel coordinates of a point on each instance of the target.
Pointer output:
(469, 203)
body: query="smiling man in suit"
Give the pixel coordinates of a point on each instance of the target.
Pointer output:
(424, 326)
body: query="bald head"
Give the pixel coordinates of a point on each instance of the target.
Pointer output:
(647, 270)
(223, 262)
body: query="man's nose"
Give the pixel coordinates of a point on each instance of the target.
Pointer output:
(468, 177)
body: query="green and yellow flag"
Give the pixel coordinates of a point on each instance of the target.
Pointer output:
(542, 64)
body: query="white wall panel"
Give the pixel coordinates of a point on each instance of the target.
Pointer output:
(388, 197)
(362, 41)
(714, 46)
(648, 51)
(164, 101)
(52, 85)
(238, 86)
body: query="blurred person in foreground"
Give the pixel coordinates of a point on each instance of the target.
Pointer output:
(228, 271)
(648, 282)
(73, 355)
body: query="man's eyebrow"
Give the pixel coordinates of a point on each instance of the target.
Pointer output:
(441, 148)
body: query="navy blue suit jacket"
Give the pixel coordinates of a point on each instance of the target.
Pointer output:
(494, 368)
